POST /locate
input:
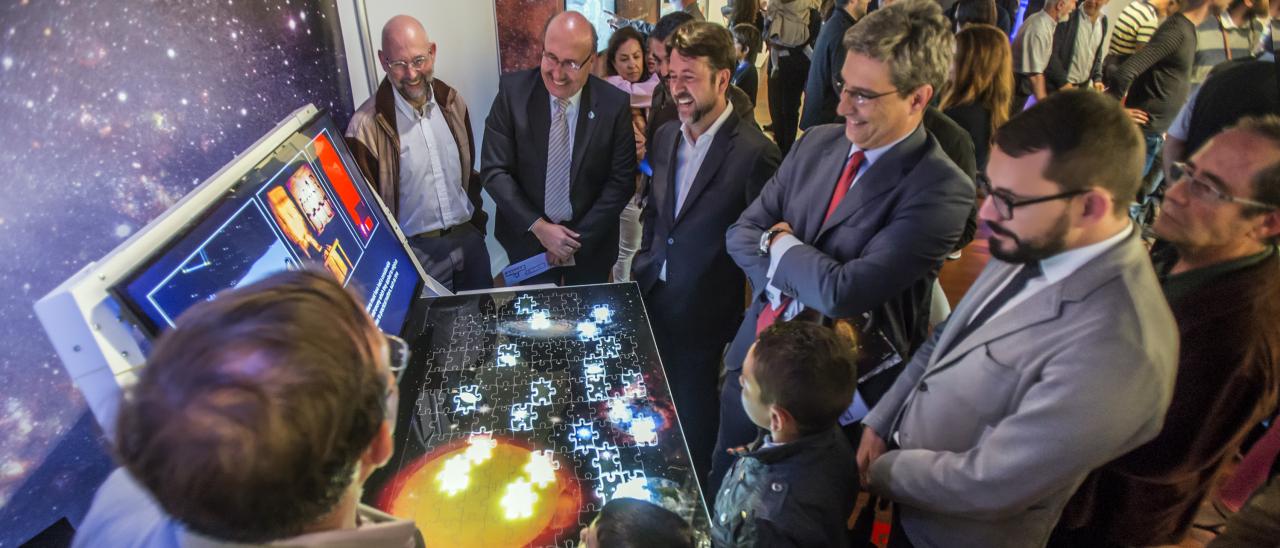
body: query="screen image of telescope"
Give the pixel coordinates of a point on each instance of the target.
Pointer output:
(307, 212)
(524, 412)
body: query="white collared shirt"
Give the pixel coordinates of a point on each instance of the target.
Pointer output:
(430, 186)
(1055, 269)
(782, 244)
(689, 157)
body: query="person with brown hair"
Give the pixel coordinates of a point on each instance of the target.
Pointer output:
(981, 86)
(257, 419)
(627, 70)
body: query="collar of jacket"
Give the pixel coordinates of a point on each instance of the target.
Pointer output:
(777, 453)
(384, 105)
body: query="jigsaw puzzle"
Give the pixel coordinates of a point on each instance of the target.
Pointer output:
(523, 412)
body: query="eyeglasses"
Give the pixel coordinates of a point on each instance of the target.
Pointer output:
(1210, 191)
(569, 66)
(1005, 204)
(860, 97)
(417, 63)
(400, 353)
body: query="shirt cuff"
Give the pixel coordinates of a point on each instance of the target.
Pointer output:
(781, 244)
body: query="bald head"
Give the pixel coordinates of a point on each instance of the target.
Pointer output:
(572, 26)
(568, 47)
(408, 56)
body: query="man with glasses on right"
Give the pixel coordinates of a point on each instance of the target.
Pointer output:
(559, 158)
(1060, 358)
(1217, 263)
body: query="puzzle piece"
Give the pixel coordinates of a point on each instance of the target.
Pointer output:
(522, 417)
(597, 388)
(603, 347)
(633, 385)
(584, 436)
(467, 400)
(541, 391)
(508, 355)
(525, 304)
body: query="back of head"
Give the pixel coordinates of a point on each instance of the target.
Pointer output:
(1092, 142)
(983, 73)
(667, 25)
(976, 12)
(631, 523)
(703, 39)
(749, 36)
(808, 370)
(252, 412)
(912, 37)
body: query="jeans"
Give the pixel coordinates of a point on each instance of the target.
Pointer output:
(629, 233)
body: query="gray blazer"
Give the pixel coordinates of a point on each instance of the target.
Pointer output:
(998, 431)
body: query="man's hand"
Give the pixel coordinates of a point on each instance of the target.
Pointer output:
(869, 449)
(560, 242)
(1102, 88)
(1139, 116)
(783, 228)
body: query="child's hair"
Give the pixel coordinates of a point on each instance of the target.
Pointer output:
(808, 370)
(633, 523)
(748, 35)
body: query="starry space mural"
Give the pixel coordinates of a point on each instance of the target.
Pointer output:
(111, 111)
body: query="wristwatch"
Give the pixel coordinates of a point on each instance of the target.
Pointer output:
(766, 239)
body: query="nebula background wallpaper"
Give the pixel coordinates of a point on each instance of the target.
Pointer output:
(113, 110)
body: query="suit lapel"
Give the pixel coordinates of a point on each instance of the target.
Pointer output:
(667, 182)
(881, 177)
(1041, 307)
(539, 109)
(582, 133)
(721, 146)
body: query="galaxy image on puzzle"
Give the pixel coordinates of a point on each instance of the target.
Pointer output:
(113, 110)
(523, 412)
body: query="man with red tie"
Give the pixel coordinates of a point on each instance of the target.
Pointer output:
(859, 217)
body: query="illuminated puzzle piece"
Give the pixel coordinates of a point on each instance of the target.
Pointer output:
(607, 460)
(540, 392)
(522, 417)
(525, 304)
(619, 411)
(584, 436)
(633, 385)
(644, 430)
(539, 320)
(601, 314)
(518, 500)
(635, 487)
(597, 388)
(541, 468)
(605, 347)
(466, 400)
(508, 356)
(588, 330)
(454, 476)
(590, 367)
(480, 446)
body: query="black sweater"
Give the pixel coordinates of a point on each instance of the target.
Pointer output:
(1158, 77)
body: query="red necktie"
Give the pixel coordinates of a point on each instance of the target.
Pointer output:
(769, 314)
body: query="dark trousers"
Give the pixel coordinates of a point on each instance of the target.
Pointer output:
(897, 536)
(736, 430)
(786, 87)
(692, 365)
(458, 258)
(1080, 538)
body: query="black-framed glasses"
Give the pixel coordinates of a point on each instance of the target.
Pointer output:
(417, 63)
(567, 65)
(399, 351)
(1005, 204)
(1210, 190)
(860, 97)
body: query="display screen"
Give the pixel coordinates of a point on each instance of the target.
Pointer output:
(304, 205)
(524, 412)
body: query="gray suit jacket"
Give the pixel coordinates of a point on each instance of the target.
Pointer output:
(998, 431)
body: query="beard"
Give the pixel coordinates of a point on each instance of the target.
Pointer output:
(1028, 250)
(699, 110)
(422, 93)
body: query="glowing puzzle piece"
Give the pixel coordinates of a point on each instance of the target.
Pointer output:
(522, 417)
(525, 304)
(597, 388)
(508, 355)
(637, 487)
(602, 314)
(540, 392)
(611, 486)
(454, 476)
(590, 367)
(644, 430)
(541, 468)
(607, 460)
(466, 400)
(605, 347)
(518, 500)
(588, 330)
(584, 436)
(480, 447)
(633, 385)
(619, 411)
(540, 320)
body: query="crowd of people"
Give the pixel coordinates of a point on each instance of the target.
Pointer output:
(1110, 378)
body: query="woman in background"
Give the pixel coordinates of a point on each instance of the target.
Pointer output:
(981, 86)
(627, 70)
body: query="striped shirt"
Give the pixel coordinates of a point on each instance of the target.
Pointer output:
(1134, 27)
(1219, 40)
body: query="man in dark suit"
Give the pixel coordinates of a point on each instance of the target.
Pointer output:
(805, 245)
(559, 158)
(707, 169)
(820, 95)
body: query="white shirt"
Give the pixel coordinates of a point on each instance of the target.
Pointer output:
(689, 158)
(1088, 38)
(782, 244)
(431, 193)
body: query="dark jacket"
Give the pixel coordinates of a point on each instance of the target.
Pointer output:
(796, 494)
(709, 285)
(747, 79)
(959, 147)
(1064, 47)
(820, 98)
(602, 177)
(375, 144)
(1227, 369)
(1157, 78)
